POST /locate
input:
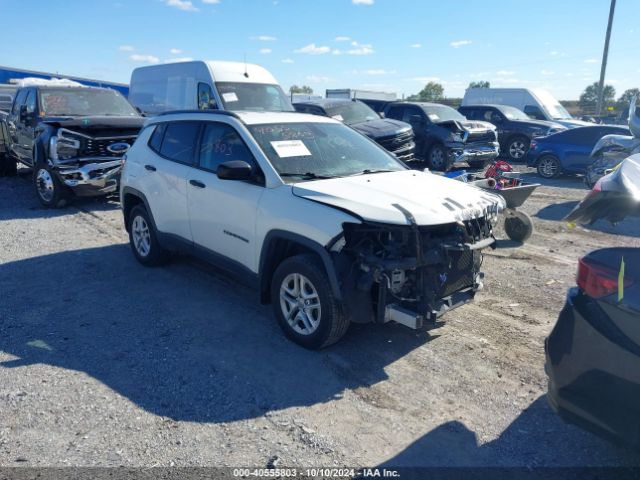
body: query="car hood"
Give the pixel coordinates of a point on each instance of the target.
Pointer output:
(97, 122)
(572, 123)
(388, 197)
(383, 127)
(471, 126)
(546, 124)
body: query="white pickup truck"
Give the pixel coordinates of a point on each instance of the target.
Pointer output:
(328, 226)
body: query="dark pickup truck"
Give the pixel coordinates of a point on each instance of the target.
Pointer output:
(515, 128)
(73, 137)
(394, 136)
(444, 137)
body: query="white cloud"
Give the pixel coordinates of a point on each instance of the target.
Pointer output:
(342, 39)
(211, 2)
(318, 79)
(415, 45)
(126, 48)
(265, 51)
(591, 60)
(178, 59)
(553, 53)
(264, 38)
(312, 49)
(460, 43)
(361, 49)
(362, 2)
(505, 73)
(379, 71)
(185, 5)
(547, 72)
(287, 60)
(424, 79)
(175, 51)
(136, 57)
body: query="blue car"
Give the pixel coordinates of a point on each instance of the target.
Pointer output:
(568, 151)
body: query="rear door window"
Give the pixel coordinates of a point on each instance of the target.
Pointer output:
(180, 141)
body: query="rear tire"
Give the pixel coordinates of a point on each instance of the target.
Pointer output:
(517, 148)
(304, 304)
(549, 167)
(144, 239)
(438, 159)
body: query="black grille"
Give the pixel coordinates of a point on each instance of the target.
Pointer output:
(397, 143)
(462, 272)
(488, 136)
(97, 147)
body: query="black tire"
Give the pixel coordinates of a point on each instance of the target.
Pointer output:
(8, 165)
(49, 190)
(437, 158)
(549, 167)
(518, 226)
(517, 148)
(331, 324)
(137, 221)
(478, 164)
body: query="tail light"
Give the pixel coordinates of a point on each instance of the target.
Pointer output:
(597, 280)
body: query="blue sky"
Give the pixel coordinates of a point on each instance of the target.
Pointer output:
(391, 45)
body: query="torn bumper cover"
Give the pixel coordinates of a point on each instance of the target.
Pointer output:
(91, 176)
(411, 274)
(460, 152)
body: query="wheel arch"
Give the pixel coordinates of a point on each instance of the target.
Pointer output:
(279, 245)
(131, 198)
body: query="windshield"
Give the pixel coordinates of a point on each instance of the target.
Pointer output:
(441, 113)
(558, 112)
(351, 112)
(302, 151)
(513, 113)
(79, 102)
(258, 97)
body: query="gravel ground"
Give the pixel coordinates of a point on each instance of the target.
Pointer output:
(104, 362)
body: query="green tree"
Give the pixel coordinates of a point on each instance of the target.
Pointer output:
(303, 89)
(432, 91)
(628, 95)
(480, 84)
(590, 94)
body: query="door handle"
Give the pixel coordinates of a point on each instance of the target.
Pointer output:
(196, 183)
(151, 168)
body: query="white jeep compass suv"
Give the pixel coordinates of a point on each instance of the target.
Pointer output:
(327, 225)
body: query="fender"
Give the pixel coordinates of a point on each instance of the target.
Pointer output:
(141, 196)
(267, 255)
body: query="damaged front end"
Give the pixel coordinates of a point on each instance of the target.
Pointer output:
(89, 165)
(471, 141)
(411, 274)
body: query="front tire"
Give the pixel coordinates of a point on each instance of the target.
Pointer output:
(437, 158)
(50, 191)
(304, 304)
(144, 239)
(549, 167)
(517, 148)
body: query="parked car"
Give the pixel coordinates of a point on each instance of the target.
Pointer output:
(326, 224)
(74, 138)
(568, 151)
(394, 135)
(537, 103)
(593, 351)
(206, 85)
(444, 137)
(7, 92)
(515, 128)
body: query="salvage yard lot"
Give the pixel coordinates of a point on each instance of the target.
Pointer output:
(104, 362)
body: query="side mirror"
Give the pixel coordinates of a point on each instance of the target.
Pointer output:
(234, 170)
(417, 119)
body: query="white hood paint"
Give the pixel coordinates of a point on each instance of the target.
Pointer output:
(431, 199)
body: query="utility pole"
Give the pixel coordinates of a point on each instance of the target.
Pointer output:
(605, 54)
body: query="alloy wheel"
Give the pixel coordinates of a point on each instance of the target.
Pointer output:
(141, 236)
(517, 149)
(45, 185)
(300, 303)
(548, 167)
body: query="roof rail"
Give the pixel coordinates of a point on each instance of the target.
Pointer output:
(210, 110)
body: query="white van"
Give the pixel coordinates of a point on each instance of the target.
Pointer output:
(535, 102)
(205, 85)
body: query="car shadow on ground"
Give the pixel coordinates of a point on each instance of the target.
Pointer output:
(177, 341)
(18, 200)
(564, 181)
(630, 226)
(536, 438)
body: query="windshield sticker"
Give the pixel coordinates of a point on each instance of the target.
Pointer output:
(230, 97)
(433, 117)
(290, 148)
(338, 117)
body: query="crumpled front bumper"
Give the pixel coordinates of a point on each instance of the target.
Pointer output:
(91, 176)
(460, 152)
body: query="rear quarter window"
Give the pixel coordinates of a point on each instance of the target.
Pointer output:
(155, 141)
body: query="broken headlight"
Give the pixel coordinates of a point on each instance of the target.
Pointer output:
(457, 137)
(63, 147)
